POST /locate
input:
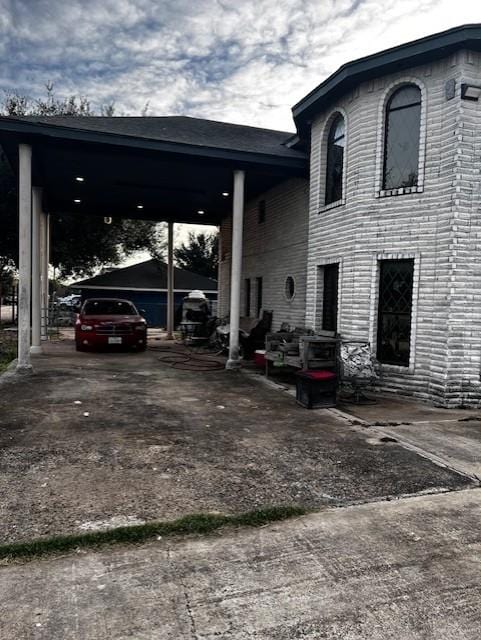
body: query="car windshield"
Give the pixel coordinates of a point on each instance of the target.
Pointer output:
(109, 308)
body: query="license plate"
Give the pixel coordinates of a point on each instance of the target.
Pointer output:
(115, 340)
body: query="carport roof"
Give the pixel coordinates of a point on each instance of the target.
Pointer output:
(194, 132)
(158, 168)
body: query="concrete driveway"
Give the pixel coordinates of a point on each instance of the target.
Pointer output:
(96, 440)
(403, 570)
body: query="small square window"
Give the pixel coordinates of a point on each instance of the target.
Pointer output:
(261, 211)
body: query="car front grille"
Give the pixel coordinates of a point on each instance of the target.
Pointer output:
(113, 329)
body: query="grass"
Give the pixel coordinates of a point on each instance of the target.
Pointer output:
(192, 524)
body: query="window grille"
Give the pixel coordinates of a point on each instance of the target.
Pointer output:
(394, 311)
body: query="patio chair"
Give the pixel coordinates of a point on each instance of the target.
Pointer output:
(358, 369)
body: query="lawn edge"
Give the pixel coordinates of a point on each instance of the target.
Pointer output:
(197, 523)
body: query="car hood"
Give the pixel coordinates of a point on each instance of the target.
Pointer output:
(115, 319)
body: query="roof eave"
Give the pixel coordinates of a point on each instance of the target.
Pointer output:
(379, 64)
(28, 130)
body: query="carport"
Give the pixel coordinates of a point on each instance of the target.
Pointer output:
(167, 169)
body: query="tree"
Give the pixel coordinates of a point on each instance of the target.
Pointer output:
(74, 252)
(200, 254)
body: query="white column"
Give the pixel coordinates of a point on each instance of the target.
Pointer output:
(36, 298)
(170, 281)
(233, 361)
(44, 259)
(48, 245)
(24, 255)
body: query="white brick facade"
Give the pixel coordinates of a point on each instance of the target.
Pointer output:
(437, 224)
(273, 250)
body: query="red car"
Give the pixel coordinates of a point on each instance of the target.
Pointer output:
(110, 322)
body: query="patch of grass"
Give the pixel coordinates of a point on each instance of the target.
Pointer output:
(200, 523)
(5, 361)
(8, 349)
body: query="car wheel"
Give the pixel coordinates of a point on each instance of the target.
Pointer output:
(79, 347)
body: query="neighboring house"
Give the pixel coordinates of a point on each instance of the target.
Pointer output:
(145, 284)
(387, 248)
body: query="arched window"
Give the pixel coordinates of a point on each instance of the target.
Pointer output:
(335, 160)
(401, 140)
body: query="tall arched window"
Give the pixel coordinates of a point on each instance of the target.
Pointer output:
(401, 146)
(335, 160)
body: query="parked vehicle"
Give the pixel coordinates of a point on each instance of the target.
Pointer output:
(110, 323)
(69, 301)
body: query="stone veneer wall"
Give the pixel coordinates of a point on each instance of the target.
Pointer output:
(438, 224)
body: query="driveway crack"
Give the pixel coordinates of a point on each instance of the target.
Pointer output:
(193, 630)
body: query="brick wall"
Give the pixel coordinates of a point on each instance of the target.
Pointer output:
(273, 250)
(438, 224)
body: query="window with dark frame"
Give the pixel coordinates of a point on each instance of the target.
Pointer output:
(335, 160)
(247, 297)
(401, 138)
(258, 296)
(329, 297)
(261, 211)
(395, 311)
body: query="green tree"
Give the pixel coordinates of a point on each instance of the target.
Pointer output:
(80, 245)
(200, 254)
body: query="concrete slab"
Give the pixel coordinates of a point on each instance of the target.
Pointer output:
(389, 409)
(404, 570)
(158, 443)
(449, 436)
(458, 444)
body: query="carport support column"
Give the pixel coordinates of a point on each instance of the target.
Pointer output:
(236, 269)
(170, 281)
(36, 286)
(24, 255)
(44, 261)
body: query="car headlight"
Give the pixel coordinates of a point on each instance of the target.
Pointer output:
(140, 327)
(86, 327)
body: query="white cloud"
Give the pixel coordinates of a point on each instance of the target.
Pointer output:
(246, 62)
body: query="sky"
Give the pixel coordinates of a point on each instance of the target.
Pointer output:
(247, 61)
(244, 61)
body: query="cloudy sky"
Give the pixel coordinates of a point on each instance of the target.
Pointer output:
(244, 61)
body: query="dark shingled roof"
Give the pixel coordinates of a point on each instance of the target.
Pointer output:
(151, 274)
(181, 130)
